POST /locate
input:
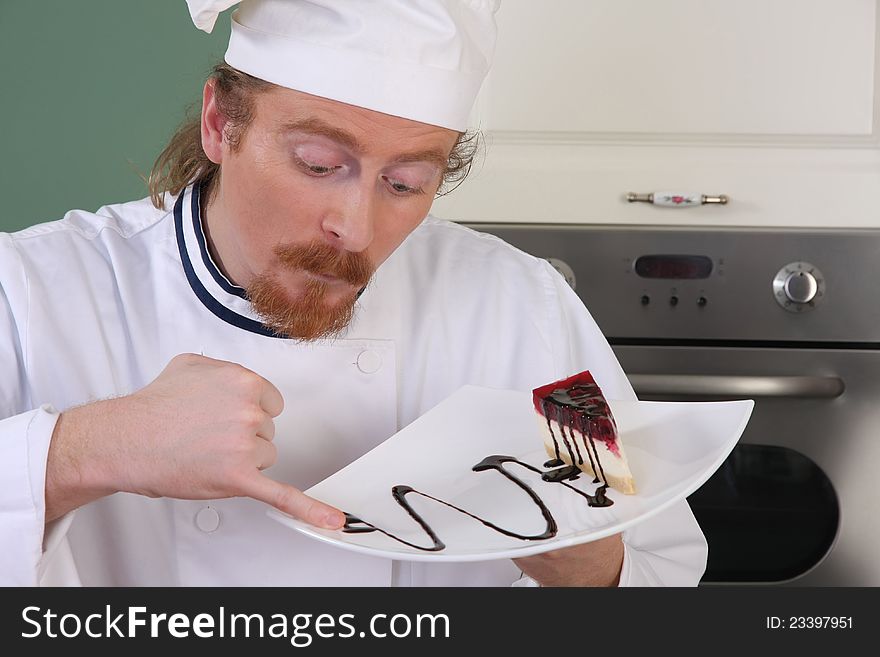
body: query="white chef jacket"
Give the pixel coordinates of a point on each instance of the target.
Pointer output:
(96, 304)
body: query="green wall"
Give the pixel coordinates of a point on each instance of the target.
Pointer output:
(90, 90)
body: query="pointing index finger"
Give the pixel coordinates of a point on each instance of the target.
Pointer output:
(292, 501)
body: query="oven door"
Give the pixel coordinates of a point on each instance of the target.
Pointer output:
(796, 502)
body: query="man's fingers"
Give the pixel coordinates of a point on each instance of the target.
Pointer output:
(266, 430)
(293, 502)
(267, 454)
(271, 399)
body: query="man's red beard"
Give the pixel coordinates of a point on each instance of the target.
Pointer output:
(310, 316)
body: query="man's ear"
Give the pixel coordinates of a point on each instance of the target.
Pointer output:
(213, 124)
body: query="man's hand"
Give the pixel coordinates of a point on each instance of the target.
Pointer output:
(202, 429)
(590, 564)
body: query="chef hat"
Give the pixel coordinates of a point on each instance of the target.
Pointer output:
(419, 59)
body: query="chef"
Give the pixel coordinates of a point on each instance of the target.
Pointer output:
(175, 366)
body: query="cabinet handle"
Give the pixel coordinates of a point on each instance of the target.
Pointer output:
(677, 199)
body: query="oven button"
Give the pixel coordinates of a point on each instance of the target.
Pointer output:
(702, 301)
(673, 300)
(798, 287)
(645, 299)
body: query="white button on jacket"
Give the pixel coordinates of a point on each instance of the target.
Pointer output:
(369, 362)
(207, 519)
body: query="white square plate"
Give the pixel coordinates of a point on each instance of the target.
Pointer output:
(672, 449)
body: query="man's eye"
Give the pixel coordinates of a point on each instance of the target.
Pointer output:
(320, 169)
(316, 169)
(400, 188)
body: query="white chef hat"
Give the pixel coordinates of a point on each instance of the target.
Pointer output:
(419, 59)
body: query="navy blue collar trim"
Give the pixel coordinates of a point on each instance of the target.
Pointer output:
(222, 281)
(203, 295)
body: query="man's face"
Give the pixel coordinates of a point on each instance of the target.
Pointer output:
(316, 196)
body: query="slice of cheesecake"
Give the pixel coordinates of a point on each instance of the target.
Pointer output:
(579, 430)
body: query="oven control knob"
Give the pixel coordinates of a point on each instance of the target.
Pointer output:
(798, 286)
(565, 269)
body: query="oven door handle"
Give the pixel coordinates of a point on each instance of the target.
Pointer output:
(693, 385)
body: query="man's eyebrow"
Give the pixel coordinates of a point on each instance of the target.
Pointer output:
(315, 126)
(431, 155)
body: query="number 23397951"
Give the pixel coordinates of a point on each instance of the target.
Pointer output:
(809, 623)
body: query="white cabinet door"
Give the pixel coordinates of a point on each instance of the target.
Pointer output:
(770, 102)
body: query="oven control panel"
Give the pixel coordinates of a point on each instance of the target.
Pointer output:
(715, 283)
(685, 275)
(798, 287)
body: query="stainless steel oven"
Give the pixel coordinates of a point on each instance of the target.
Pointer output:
(789, 318)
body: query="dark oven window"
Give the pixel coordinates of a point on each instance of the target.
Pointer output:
(769, 514)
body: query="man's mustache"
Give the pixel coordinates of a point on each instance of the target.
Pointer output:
(324, 260)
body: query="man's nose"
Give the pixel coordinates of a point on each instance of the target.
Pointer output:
(350, 224)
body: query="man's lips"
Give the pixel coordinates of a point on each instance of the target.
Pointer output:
(335, 277)
(328, 279)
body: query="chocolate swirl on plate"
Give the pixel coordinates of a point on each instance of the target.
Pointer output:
(560, 475)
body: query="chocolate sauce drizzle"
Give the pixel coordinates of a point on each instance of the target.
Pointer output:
(355, 525)
(582, 407)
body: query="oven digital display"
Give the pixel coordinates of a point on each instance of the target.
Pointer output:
(673, 266)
